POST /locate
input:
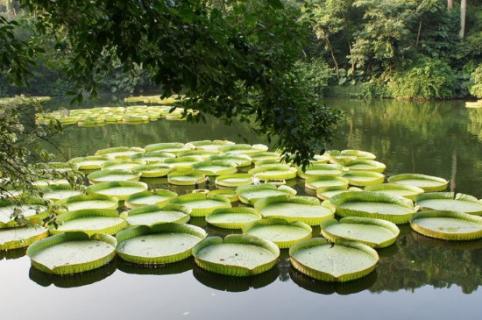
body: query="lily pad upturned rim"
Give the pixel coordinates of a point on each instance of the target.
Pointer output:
(361, 154)
(201, 212)
(361, 220)
(23, 243)
(89, 197)
(375, 166)
(71, 268)
(96, 188)
(162, 207)
(448, 196)
(278, 221)
(93, 176)
(473, 235)
(307, 200)
(197, 177)
(233, 270)
(394, 186)
(135, 231)
(230, 168)
(240, 160)
(336, 170)
(287, 172)
(229, 194)
(107, 151)
(153, 170)
(79, 214)
(376, 178)
(309, 181)
(160, 192)
(403, 176)
(77, 162)
(371, 196)
(231, 225)
(263, 186)
(327, 277)
(220, 180)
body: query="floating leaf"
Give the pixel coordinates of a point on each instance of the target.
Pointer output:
(233, 218)
(281, 232)
(426, 182)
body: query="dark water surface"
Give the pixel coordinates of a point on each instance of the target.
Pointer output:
(417, 278)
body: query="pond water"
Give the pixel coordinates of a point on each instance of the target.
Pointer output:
(417, 277)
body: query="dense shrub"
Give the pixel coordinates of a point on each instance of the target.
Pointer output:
(427, 79)
(476, 82)
(316, 72)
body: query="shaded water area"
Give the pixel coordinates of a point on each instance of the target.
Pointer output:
(416, 278)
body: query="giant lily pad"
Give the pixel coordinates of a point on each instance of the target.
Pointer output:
(360, 154)
(376, 233)
(14, 238)
(32, 210)
(147, 198)
(275, 172)
(90, 201)
(426, 182)
(450, 201)
(112, 176)
(210, 145)
(234, 180)
(88, 163)
(377, 205)
(236, 255)
(233, 218)
(365, 165)
(252, 193)
(407, 191)
(201, 204)
(340, 262)
(215, 167)
(185, 177)
(120, 190)
(302, 209)
(281, 232)
(229, 194)
(153, 170)
(121, 164)
(90, 221)
(447, 225)
(150, 215)
(364, 178)
(239, 160)
(182, 163)
(72, 252)
(119, 152)
(153, 157)
(329, 192)
(313, 183)
(168, 147)
(158, 244)
(323, 169)
(56, 193)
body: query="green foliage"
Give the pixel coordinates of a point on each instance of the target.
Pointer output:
(316, 74)
(476, 82)
(427, 79)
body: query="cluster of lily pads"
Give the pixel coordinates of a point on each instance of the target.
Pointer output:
(111, 115)
(253, 198)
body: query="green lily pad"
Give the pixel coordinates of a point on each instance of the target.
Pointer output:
(449, 201)
(234, 180)
(376, 205)
(407, 191)
(320, 169)
(150, 215)
(364, 178)
(90, 201)
(339, 262)
(168, 147)
(119, 152)
(314, 183)
(201, 204)
(252, 193)
(376, 233)
(365, 165)
(426, 182)
(330, 192)
(158, 244)
(15, 238)
(108, 175)
(120, 190)
(302, 209)
(57, 193)
(88, 163)
(274, 172)
(233, 218)
(72, 252)
(153, 170)
(210, 145)
(215, 167)
(447, 225)
(236, 255)
(281, 232)
(239, 160)
(147, 198)
(229, 194)
(90, 222)
(182, 163)
(358, 153)
(153, 157)
(121, 164)
(185, 177)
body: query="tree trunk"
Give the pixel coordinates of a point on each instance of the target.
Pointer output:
(450, 4)
(332, 52)
(463, 14)
(419, 33)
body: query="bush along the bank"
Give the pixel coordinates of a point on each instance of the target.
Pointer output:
(476, 82)
(428, 79)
